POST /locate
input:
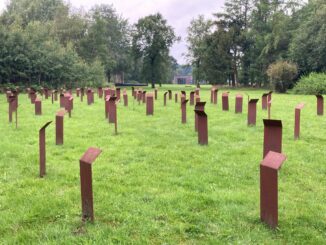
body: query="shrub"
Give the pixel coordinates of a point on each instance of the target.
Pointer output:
(314, 83)
(282, 75)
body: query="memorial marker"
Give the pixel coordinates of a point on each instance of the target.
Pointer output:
(272, 136)
(225, 101)
(238, 103)
(264, 101)
(320, 105)
(112, 109)
(200, 106)
(59, 127)
(170, 94)
(192, 98)
(150, 104)
(202, 127)
(42, 149)
(184, 111)
(252, 111)
(38, 106)
(297, 113)
(165, 98)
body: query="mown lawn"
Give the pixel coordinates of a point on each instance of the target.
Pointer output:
(153, 184)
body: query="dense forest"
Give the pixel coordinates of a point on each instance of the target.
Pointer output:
(250, 42)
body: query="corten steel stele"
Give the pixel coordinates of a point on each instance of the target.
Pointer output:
(202, 127)
(184, 111)
(176, 97)
(252, 111)
(238, 103)
(62, 100)
(272, 136)
(192, 98)
(89, 97)
(150, 104)
(269, 105)
(269, 168)
(183, 93)
(200, 106)
(225, 101)
(133, 92)
(165, 98)
(100, 92)
(215, 96)
(170, 94)
(43, 149)
(320, 105)
(264, 100)
(197, 91)
(144, 96)
(38, 107)
(59, 127)
(155, 91)
(12, 106)
(112, 109)
(269, 96)
(182, 98)
(297, 113)
(118, 93)
(86, 189)
(77, 92)
(33, 96)
(70, 105)
(107, 98)
(125, 99)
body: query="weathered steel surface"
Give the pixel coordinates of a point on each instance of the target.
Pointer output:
(100, 92)
(264, 101)
(112, 109)
(252, 111)
(165, 94)
(150, 104)
(238, 103)
(269, 168)
(155, 91)
(272, 136)
(192, 98)
(86, 187)
(59, 127)
(118, 93)
(38, 106)
(225, 101)
(320, 105)
(202, 127)
(200, 106)
(42, 149)
(170, 94)
(184, 110)
(297, 112)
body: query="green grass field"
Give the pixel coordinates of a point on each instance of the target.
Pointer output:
(153, 184)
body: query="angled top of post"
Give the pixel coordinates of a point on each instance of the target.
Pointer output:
(144, 92)
(90, 155)
(319, 96)
(299, 106)
(61, 113)
(273, 160)
(184, 101)
(165, 93)
(112, 98)
(200, 113)
(192, 92)
(272, 123)
(265, 94)
(270, 92)
(183, 92)
(253, 101)
(45, 126)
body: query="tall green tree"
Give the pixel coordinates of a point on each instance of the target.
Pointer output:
(151, 41)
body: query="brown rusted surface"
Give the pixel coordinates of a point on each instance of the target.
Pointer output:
(197, 91)
(42, 149)
(225, 101)
(200, 106)
(320, 105)
(184, 111)
(59, 127)
(269, 96)
(150, 104)
(269, 168)
(264, 101)
(125, 99)
(106, 112)
(33, 96)
(155, 91)
(144, 96)
(176, 97)
(184, 93)
(202, 127)
(215, 91)
(272, 136)
(86, 188)
(112, 109)
(133, 92)
(62, 100)
(118, 93)
(252, 111)
(170, 94)
(192, 98)
(38, 106)
(238, 103)
(12, 106)
(77, 92)
(297, 112)
(165, 94)
(100, 92)
(90, 97)
(269, 106)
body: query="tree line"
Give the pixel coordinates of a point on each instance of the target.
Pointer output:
(251, 40)
(49, 43)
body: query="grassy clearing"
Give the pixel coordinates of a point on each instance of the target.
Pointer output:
(153, 184)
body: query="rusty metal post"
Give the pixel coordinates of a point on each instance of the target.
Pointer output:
(238, 103)
(112, 109)
(176, 97)
(89, 97)
(272, 136)
(33, 96)
(200, 106)
(269, 105)
(183, 93)
(192, 98)
(42, 149)
(12, 106)
(165, 98)
(215, 96)
(297, 113)
(107, 98)
(320, 105)
(82, 94)
(118, 93)
(77, 92)
(212, 94)
(38, 106)
(252, 111)
(100, 92)
(269, 96)
(264, 101)
(144, 97)
(155, 91)
(86, 188)
(225, 101)
(202, 127)
(62, 100)
(150, 104)
(170, 94)
(125, 99)
(59, 127)
(269, 168)
(184, 110)
(197, 91)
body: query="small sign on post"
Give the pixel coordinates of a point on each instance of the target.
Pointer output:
(202, 127)
(269, 168)
(42, 149)
(225, 101)
(297, 113)
(238, 103)
(59, 127)
(86, 188)
(320, 105)
(184, 111)
(252, 111)
(272, 136)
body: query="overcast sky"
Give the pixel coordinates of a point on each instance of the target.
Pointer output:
(178, 13)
